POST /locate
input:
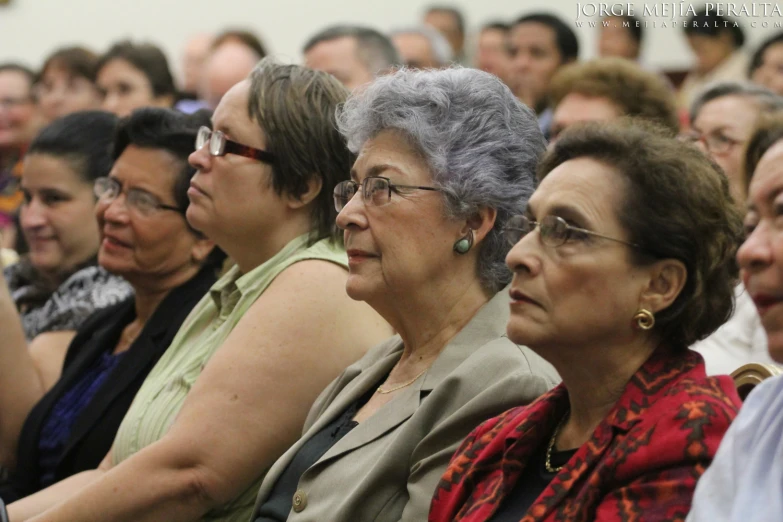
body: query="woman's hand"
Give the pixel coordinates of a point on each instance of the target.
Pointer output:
(247, 406)
(20, 383)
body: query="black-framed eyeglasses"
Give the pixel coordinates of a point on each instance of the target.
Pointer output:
(376, 190)
(144, 203)
(554, 231)
(715, 142)
(219, 145)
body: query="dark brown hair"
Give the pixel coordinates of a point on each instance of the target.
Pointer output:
(75, 61)
(148, 59)
(676, 205)
(768, 131)
(636, 92)
(295, 108)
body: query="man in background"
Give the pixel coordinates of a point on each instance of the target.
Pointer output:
(194, 55)
(449, 22)
(233, 55)
(540, 45)
(492, 53)
(354, 55)
(422, 47)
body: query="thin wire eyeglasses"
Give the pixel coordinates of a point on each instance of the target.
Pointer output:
(717, 143)
(219, 145)
(554, 231)
(109, 189)
(376, 190)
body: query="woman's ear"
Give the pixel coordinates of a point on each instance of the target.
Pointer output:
(314, 185)
(667, 279)
(481, 223)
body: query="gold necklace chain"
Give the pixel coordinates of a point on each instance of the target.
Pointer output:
(548, 461)
(401, 386)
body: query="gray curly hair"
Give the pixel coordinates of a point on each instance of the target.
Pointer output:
(480, 143)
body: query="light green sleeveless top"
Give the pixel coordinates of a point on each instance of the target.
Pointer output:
(161, 396)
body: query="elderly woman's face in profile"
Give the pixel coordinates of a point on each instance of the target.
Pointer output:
(726, 124)
(138, 244)
(586, 289)
(761, 255)
(396, 243)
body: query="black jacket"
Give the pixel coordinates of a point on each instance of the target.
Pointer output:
(93, 432)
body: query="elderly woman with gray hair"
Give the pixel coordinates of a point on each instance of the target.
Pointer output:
(445, 159)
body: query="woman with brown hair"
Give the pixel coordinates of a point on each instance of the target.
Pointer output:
(134, 75)
(623, 258)
(66, 83)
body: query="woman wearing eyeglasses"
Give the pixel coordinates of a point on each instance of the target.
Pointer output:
(231, 392)
(59, 411)
(445, 158)
(722, 118)
(744, 481)
(623, 258)
(52, 291)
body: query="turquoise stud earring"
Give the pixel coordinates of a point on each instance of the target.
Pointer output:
(463, 245)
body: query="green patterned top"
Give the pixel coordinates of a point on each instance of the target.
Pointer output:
(160, 398)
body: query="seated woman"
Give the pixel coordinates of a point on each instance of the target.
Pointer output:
(445, 158)
(231, 393)
(131, 76)
(66, 83)
(722, 120)
(58, 285)
(622, 259)
(744, 480)
(52, 429)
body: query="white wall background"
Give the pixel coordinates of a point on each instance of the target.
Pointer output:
(30, 29)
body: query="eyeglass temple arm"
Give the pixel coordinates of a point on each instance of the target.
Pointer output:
(242, 150)
(605, 237)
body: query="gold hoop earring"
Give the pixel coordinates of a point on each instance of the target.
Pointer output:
(644, 319)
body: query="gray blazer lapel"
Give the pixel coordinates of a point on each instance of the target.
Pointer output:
(485, 326)
(352, 391)
(391, 415)
(488, 324)
(360, 380)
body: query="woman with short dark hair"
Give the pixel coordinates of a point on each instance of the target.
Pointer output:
(134, 75)
(59, 418)
(623, 258)
(58, 284)
(66, 83)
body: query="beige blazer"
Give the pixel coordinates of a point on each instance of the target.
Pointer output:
(386, 469)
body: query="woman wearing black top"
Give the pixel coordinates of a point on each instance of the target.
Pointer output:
(144, 238)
